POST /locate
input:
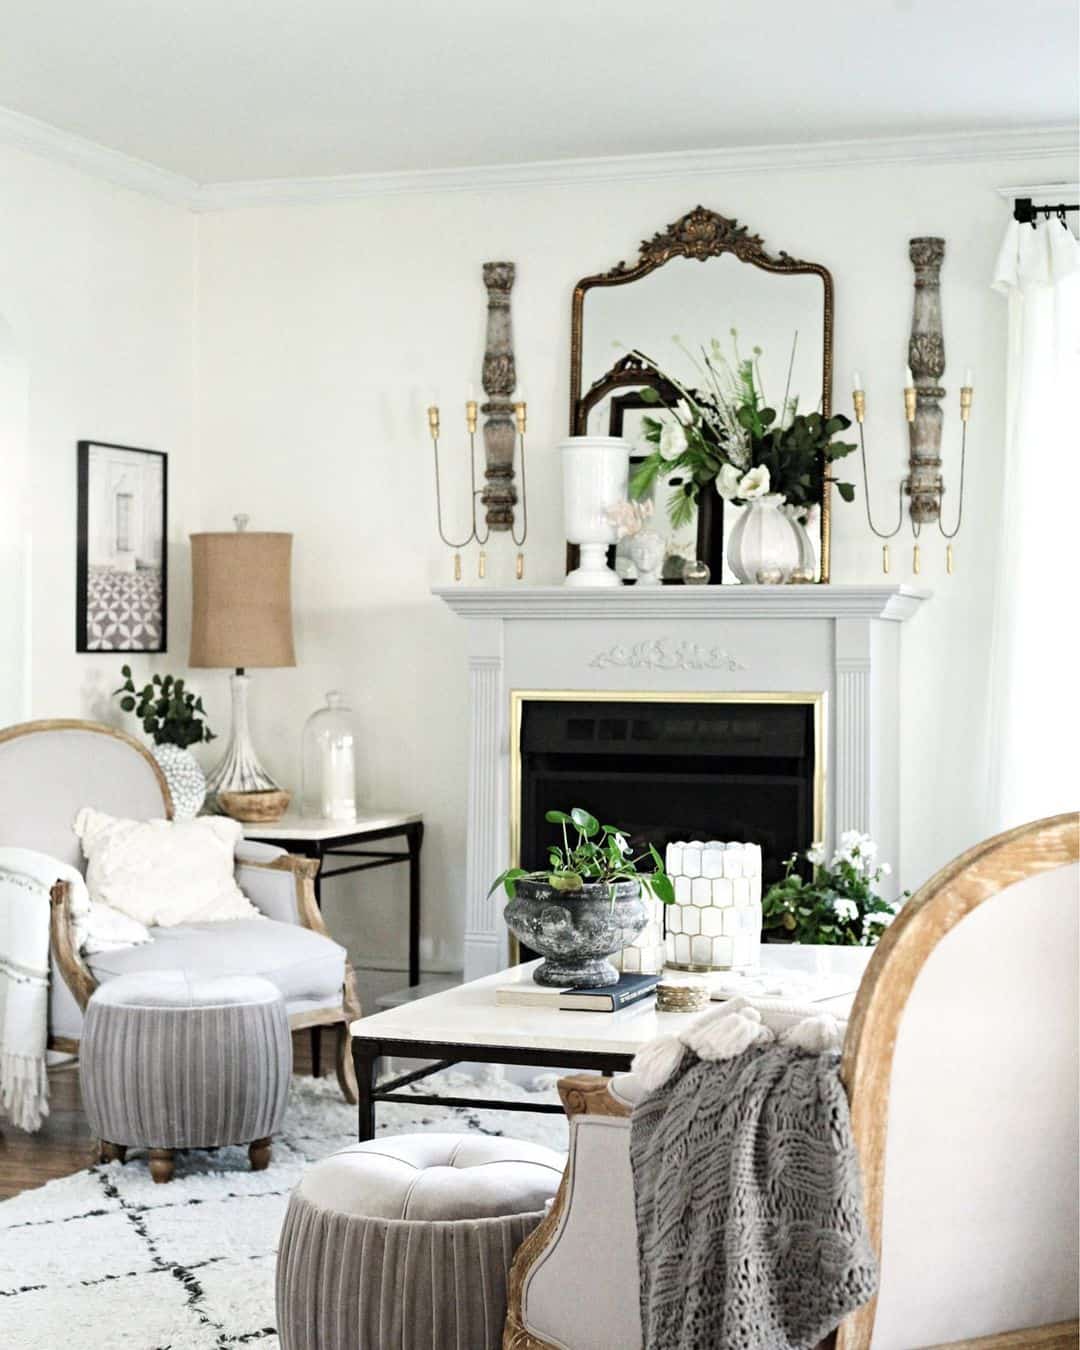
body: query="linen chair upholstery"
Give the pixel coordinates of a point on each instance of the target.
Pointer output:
(960, 1061)
(49, 770)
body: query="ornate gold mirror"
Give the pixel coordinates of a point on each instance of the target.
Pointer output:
(667, 306)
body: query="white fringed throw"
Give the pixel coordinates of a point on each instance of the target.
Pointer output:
(25, 881)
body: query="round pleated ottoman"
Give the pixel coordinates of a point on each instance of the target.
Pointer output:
(170, 1062)
(407, 1240)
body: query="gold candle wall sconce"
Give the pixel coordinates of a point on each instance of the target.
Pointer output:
(922, 394)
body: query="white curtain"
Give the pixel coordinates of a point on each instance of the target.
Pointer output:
(1035, 654)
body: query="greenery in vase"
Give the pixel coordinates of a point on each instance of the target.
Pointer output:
(169, 713)
(839, 906)
(601, 854)
(727, 435)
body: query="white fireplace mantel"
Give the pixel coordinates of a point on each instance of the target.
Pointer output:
(839, 641)
(684, 602)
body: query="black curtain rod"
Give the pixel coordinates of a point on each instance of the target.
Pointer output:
(1026, 212)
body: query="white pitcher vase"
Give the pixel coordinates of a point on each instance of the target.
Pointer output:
(764, 538)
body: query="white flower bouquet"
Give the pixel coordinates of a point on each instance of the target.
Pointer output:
(839, 905)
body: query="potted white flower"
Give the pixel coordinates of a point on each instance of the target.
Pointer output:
(839, 907)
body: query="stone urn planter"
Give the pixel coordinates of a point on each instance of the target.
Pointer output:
(576, 931)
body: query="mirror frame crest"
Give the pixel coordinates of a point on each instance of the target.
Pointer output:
(704, 234)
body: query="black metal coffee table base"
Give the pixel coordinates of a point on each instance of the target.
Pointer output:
(368, 1051)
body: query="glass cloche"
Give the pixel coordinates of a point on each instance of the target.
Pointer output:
(329, 781)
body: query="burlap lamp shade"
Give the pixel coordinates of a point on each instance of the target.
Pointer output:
(241, 601)
(241, 616)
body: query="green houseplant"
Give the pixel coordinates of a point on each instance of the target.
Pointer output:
(726, 436)
(586, 904)
(839, 906)
(174, 719)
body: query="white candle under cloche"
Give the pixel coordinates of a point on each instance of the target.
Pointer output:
(909, 379)
(856, 383)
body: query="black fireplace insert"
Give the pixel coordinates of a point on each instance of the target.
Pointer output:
(665, 771)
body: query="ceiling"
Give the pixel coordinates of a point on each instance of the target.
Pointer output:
(221, 90)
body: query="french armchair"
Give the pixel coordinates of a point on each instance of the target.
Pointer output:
(49, 770)
(960, 1064)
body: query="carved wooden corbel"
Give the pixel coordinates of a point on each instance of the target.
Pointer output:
(926, 357)
(499, 495)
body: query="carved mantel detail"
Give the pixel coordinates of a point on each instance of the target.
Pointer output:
(665, 654)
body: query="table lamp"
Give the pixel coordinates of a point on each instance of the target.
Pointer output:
(241, 616)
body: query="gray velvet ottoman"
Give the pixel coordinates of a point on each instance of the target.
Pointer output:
(406, 1242)
(170, 1062)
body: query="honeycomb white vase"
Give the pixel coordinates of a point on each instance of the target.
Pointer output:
(715, 922)
(187, 782)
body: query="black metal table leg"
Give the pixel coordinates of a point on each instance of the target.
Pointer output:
(316, 1032)
(366, 1059)
(415, 837)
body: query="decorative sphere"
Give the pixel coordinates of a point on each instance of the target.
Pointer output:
(801, 576)
(770, 576)
(696, 573)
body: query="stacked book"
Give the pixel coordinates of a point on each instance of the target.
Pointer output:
(630, 989)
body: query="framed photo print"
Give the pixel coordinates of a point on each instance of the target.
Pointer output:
(121, 569)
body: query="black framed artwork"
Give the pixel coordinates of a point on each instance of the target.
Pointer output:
(121, 565)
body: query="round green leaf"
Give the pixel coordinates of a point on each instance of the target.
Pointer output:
(588, 825)
(557, 817)
(128, 704)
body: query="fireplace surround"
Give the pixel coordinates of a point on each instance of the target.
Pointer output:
(834, 649)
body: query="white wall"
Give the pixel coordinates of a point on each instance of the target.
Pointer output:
(321, 331)
(96, 286)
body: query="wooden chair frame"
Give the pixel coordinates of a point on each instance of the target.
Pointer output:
(866, 1068)
(79, 978)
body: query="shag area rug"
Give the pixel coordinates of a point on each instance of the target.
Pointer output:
(107, 1260)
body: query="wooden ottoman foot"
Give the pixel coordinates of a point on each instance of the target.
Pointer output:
(259, 1153)
(108, 1153)
(162, 1164)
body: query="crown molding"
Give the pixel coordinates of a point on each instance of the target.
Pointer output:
(64, 147)
(30, 134)
(1024, 144)
(1036, 191)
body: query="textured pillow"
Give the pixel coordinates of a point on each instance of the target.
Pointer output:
(163, 872)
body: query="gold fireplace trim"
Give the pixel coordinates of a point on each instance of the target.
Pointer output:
(519, 697)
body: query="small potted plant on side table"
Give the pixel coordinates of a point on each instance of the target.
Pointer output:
(174, 718)
(838, 907)
(586, 905)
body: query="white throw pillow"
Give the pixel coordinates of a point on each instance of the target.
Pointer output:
(163, 872)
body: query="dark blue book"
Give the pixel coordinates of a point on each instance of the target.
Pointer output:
(630, 989)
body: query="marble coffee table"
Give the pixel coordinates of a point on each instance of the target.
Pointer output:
(466, 1025)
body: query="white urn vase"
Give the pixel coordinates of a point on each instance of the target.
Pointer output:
(186, 780)
(595, 474)
(764, 539)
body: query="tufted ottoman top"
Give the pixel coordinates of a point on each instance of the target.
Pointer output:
(435, 1177)
(175, 989)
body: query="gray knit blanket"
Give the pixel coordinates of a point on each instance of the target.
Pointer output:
(749, 1207)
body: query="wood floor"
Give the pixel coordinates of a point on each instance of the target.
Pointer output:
(64, 1144)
